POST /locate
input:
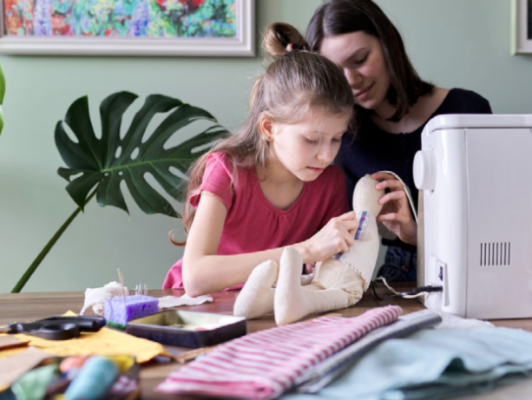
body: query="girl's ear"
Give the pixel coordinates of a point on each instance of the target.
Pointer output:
(266, 127)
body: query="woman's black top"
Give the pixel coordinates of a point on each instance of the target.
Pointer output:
(374, 150)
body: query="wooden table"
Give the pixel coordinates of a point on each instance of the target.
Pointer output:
(30, 306)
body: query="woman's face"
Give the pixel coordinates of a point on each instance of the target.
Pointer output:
(360, 56)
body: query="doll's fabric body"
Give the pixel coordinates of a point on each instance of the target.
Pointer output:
(338, 283)
(252, 222)
(359, 260)
(353, 271)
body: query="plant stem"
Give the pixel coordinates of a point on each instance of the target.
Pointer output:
(31, 269)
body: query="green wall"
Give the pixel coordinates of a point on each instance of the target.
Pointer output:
(454, 43)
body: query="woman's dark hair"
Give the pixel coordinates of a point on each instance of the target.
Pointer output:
(338, 17)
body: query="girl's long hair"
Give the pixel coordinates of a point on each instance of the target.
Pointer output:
(295, 82)
(338, 17)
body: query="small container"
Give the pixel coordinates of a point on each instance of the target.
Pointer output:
(190, 329)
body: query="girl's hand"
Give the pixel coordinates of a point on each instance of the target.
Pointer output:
(395, 213)
(333, 238)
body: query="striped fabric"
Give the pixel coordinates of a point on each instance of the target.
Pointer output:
(264, 364)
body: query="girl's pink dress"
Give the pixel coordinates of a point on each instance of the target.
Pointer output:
(253, 223)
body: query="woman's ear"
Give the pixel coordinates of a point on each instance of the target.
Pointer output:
(267, 128)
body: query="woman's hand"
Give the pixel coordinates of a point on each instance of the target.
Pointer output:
(333, 238)
(395, 213)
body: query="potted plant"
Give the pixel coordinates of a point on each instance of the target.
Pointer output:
(97, 166)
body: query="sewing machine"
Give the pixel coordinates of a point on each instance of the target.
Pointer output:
(474, 173)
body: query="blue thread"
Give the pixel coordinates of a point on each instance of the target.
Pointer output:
(94, 379)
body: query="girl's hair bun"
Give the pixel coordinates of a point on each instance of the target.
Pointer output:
(279, 35)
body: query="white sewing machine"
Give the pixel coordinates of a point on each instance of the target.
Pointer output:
(476, 213)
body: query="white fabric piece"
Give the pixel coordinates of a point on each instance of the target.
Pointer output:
(96, 297)
(185, 300)
(450, 321)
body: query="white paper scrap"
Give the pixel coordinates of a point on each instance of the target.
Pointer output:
(185, 300)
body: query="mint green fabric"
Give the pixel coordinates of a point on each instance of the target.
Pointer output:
(33, 384)
(435, 364)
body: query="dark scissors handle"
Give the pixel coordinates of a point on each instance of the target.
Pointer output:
(58, 328)
(86, 324)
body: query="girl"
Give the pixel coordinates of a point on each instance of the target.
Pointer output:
(271, 184)
(392, 104)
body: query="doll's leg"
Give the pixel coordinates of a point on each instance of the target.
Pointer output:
(293, 302)
(256, 297)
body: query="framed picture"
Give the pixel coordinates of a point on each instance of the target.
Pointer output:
(128, 27)
(522, 26)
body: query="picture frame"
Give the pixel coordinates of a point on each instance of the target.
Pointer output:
(522, 27)
(49, 38)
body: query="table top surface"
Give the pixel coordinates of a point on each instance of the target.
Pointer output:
(31, 306)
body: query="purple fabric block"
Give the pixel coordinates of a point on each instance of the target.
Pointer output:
(120, 310)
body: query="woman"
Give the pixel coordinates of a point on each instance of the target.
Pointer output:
(392, 106)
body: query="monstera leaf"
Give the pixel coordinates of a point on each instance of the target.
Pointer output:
(97, 166)
(108, 161)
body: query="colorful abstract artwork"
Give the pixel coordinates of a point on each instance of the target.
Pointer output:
(121, 18)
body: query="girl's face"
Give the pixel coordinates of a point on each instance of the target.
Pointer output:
(306, 148)
(360, 56)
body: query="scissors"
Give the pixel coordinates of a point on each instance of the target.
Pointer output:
(57, 328)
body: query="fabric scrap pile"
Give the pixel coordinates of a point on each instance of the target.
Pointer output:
(435, 364)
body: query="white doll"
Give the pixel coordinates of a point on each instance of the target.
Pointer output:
(339, 281)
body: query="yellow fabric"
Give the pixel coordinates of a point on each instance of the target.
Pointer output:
(105, 342)
(123, 362)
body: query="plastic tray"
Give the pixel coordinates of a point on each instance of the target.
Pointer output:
(187, 328)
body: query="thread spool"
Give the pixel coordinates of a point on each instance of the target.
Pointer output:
(93, 380)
